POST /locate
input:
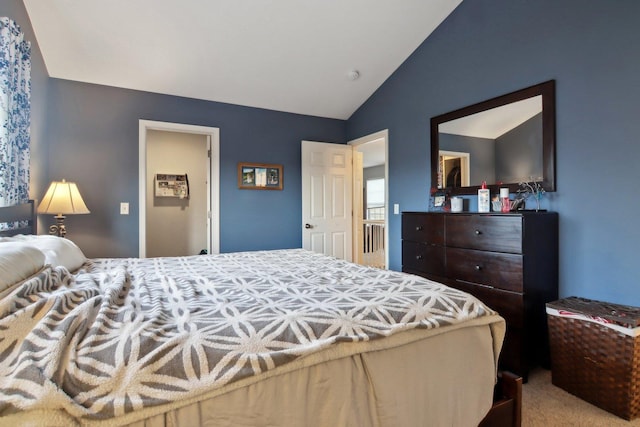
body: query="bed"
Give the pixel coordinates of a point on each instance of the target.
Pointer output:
(274, 338)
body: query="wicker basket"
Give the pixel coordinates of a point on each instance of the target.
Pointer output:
(596, 361)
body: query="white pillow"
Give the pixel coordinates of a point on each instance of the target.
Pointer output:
(17, 238)
(58, 251)
(17, 262)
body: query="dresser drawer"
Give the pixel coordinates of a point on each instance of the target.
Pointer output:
(495, 269)
(498, 233)
(508, 261)
(509, 305)
(423, 258)
(423, 228)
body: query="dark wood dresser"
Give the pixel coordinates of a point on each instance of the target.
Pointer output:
(509, 261)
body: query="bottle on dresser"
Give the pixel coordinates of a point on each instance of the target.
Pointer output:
(504, 199)
(484, 198)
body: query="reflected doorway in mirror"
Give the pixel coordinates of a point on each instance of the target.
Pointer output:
(453, 169)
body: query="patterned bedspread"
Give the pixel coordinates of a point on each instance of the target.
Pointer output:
(123, 334)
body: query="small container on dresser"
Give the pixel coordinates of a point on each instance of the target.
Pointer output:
(509, 261)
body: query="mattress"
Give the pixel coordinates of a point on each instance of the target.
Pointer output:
(259, 338)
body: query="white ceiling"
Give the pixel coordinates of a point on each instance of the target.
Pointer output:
(496, 122)
(285, 55)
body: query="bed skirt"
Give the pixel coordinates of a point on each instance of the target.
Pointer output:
(419, 377)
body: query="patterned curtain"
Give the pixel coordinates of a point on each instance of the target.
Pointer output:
(15, 113)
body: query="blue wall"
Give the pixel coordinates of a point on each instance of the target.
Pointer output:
(519, 152)
(93, 140)
(486, 48)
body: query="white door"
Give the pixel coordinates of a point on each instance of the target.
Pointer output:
(327, 198)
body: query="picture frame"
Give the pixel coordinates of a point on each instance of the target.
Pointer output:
(439, 200)
(260, 176)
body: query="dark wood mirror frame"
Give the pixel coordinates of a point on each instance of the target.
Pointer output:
(547, 90)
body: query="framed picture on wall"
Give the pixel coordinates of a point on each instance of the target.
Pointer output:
(259, 176)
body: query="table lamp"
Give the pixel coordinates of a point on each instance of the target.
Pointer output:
(62, 198)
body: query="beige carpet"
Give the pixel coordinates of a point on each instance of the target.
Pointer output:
(544, 404)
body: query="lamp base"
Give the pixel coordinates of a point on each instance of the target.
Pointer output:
(58, 229)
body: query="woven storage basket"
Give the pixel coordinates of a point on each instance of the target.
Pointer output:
(596, 361)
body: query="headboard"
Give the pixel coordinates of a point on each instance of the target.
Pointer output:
(24, 213)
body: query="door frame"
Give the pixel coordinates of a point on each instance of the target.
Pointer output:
(384, 135)
(214, 168)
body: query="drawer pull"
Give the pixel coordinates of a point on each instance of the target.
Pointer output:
(478, 232)
(418, 257)
(419, 228)
(478, 267)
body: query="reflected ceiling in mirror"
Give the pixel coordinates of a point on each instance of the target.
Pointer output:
(503, 141)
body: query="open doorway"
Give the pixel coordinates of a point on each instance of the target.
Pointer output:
(203, 141)
(371, 211)
(454, 169)
(177, 206)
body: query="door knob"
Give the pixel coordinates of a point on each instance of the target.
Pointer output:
(308, 226)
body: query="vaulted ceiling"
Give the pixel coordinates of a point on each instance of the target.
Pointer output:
(298, 56)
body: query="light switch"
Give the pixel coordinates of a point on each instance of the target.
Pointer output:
(396, 208)
(124, 208)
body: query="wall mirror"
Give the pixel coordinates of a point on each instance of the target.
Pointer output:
(503, 141)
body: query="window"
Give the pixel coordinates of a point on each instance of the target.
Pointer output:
(374, 196)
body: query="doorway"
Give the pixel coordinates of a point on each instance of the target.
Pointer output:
(453, 169)
(195, 139)
(334, 215)
(371, 216)
(177, 186)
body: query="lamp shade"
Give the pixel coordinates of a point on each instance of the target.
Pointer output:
(62, 198)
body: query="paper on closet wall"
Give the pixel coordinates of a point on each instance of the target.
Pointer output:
(167, 185)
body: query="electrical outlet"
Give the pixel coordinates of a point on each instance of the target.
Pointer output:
(396, 208)
(124, 208)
